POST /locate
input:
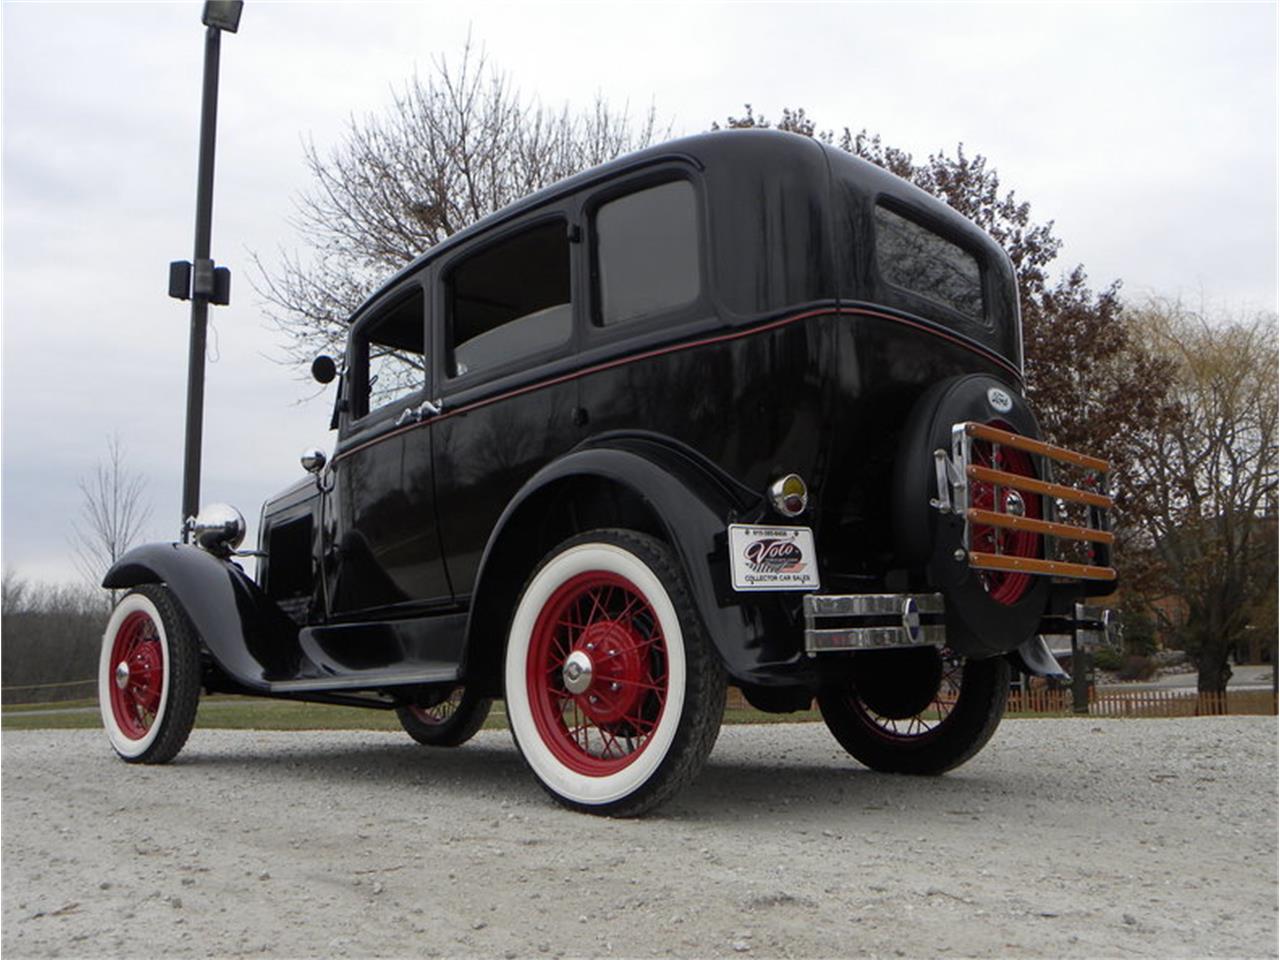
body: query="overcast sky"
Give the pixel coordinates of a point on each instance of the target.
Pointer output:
(1147, 132)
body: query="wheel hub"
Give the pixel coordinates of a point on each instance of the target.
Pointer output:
(137, 679)
(142, 674)
(578, 670)
(605, 671)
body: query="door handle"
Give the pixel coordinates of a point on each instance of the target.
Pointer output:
(420, 412)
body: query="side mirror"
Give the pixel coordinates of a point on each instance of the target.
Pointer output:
(324, 369)
(313, 461)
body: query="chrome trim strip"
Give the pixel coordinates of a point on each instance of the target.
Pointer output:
(873, 638)
(870, 604)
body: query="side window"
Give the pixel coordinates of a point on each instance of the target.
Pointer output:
(917, 259)
(647, 252)
(510, 300)
(389, 356)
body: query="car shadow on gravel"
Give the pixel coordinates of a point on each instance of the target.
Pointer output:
(482, 764)
(479, 769)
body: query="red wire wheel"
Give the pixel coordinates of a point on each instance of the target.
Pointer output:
(614, 692)
(915, 700)
(442, 712)
(447, 718)
(138, 675)
(149, 676)
(597, 673)
(1004, 587)
(916, 710)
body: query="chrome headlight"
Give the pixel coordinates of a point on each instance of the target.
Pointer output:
(219, 528)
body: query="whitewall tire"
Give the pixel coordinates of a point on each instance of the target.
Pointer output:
(148, 676)
(613, 694)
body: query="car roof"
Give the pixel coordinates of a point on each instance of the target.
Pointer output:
(701, 150)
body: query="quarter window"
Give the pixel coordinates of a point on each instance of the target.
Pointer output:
(917, 259)
(647, 252)
(511, 300)
(390, 353)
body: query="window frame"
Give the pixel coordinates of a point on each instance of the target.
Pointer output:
(919, 302)
(357, 354)
(451, 382)
(596, 331)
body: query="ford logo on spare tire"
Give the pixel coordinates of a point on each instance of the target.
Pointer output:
(1000, 401)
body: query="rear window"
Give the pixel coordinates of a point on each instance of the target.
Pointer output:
(920, 261)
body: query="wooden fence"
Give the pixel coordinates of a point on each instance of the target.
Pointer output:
(1147, 703)
(1128, 703)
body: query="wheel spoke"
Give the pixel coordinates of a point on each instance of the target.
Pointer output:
(641, 684)
(595, 606)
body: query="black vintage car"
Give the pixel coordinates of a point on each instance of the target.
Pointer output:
(737, 410)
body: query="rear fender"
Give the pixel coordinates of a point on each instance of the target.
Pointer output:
(249, 638)
(688, 506)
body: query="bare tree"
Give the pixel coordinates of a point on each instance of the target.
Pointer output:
(52, 634)
(1208, 483)
(113, 511)
(453, 147)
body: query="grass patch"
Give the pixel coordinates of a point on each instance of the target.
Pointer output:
(219, 712)
(56, 705)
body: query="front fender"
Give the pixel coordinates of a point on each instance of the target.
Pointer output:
(250, 639)
(754, 635)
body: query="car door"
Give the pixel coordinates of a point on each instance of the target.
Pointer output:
(505, 368)
(383, 549)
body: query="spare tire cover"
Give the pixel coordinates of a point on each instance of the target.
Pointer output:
(925, 539)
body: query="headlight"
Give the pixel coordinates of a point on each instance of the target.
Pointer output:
(219, 528)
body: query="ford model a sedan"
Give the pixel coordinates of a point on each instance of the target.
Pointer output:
(738, 410)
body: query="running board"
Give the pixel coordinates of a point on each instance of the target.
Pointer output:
(376, 654)
(370, 680)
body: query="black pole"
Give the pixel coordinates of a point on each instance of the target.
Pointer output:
(203, 279)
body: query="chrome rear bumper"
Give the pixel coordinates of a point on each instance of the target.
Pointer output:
(873, 621)
(879, 621)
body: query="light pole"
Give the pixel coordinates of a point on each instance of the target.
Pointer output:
(200, 281)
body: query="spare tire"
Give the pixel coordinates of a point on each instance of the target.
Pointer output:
(988, 612)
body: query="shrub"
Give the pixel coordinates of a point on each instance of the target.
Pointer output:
(1137, 668)
(1108, 658)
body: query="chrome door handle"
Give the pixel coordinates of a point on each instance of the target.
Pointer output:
(432, 407)
(418, 413)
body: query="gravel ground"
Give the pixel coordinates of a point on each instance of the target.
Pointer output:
(1074, 838)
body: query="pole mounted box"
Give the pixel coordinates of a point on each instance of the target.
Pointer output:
(180, 279)
(211, 283)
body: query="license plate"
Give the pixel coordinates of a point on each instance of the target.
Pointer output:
(772, 558)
